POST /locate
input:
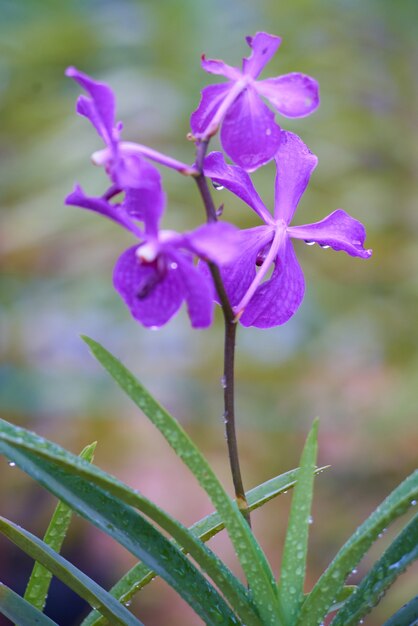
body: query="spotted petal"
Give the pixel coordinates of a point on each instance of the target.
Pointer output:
(211, 99)
(263, 47)
(249, 133)
(236, 180)
(293, 95)
(294, 166)
(152, 294)
(338, 230)
(277, 299)
(99, 108)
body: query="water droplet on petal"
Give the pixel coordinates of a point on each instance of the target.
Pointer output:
(324, 246)
(173, 266)
(309, 243)
(154, 328)
(217, 186)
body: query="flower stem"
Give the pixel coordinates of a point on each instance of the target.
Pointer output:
(229, 342)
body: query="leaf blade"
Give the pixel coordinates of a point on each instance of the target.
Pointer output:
(130, 530)
(40, 579)
(394, 561)
(69, 574)
(293, 570)
(332, 580)
(249, 552)
(20, 611)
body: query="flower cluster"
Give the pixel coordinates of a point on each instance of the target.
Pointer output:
(158, 273)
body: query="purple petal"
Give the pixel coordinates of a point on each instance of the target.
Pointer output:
(219, 242)
(236, 180)
(277, 299)
(153, 294)
(249, 133)
(211, 99)
(293, 95)
(115, 212)
(295, 164)
(338, 230)
(146, 203)
(216, 66)
(198, 292)
(99, 108)
(263, 47)
(238, 274)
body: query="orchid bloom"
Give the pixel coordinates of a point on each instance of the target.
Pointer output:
(258, 300)
(249, 134)
(123, 160)
(156, 275)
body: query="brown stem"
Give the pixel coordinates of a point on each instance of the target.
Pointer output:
(229, 342)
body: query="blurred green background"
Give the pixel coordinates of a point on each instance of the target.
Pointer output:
(349, 355)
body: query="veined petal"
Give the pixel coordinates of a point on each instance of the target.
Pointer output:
(211, 99)
(338, 230)
(277, 299)
(249, 134)
(293, 95)
(99, 108)
(294, 166)
(115, 212)
(216, 66)
(152, 293)
(198, 290)
(238, 274)
(236, 180)
(219, 242)
(263, 47)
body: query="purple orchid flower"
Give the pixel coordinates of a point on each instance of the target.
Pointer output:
(157, 275)
(262, 302)
(249, 134)
(123, 161)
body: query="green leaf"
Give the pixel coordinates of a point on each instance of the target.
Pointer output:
(317, 604)
(342, 597)
(130, 530)
(406, 616)
(293, 570)
(231, 587)
(69, 574)
(20, 611)
(39, 582)
(140, 575)
(398, 556)
(253, 561)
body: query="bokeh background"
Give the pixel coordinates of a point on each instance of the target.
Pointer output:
(350, 355)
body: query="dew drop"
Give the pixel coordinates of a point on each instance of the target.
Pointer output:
(12, 464)
(223, 382)
(217, 186)
(310, 519)
(173, 266)
(324, 247)
(413, 502)
(154, 328)
(354, 571)
(309, 243)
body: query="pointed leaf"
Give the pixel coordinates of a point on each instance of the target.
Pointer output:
(130, 530)
(20, 611)
(252, 559)
(40, 579)
(292, 574)
(140, 575)
(84, 586)
(231, 587)
(317, 603)
(398, 556)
